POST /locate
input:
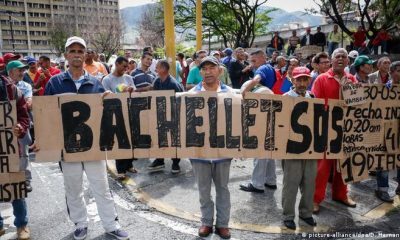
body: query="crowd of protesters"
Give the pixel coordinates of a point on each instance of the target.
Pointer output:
(231, 70)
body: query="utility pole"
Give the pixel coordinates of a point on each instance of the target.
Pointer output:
(12, 31)
(199, 30)
(170, 35)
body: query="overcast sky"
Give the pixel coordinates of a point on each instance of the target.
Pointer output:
(287, 5)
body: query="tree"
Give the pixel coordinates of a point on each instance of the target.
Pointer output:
(151, 26)
(59, 32)
(237, 22)
(107, 38)
(374, 14)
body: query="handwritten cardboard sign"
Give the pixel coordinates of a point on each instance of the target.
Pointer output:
(353, 94)
(371, 133)
(12, 181)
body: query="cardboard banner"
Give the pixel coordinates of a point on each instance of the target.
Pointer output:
(9, 153)
(353, 94)
(194, 125)
(210, 125)
(371, 133)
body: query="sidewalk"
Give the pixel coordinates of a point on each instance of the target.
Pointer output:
(177, 195)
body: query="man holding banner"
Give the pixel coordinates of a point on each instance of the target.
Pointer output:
(8, 91)
(298, 173)
(264, 172)
(217, 170)
(328, 86)
(78, 81)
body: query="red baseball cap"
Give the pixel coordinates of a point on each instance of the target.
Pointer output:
(2, 64)
(10, 57)
(301, 72)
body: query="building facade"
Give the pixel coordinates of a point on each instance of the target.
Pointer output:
(26, 25)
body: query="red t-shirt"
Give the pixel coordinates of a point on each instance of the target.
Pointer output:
(382, 36)
(359, 38)
(325, 86)
(278, 83)
(53, 71)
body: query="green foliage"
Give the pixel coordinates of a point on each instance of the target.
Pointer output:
(373, 14)
(188, 51)
(59, 33)
(236, 22)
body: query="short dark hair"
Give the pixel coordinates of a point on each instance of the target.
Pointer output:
(357, 67)
(44, 57)
(164, 63)
(181, 55)
(319, 56)
(394, 66)
(146, 54)
(121, 59)
(147, 49)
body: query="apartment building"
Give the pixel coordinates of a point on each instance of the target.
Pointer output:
(26, 24)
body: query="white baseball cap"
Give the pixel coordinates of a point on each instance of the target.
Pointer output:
(353, 54)
(73, 40)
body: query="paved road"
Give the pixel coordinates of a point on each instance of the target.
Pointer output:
(49, 219)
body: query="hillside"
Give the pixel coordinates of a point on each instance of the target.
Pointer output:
(280, 19)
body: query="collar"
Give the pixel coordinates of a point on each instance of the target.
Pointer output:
(295, 94)
(362, 80)
(85, 78)
(166, 80)
(221, 88)
(85, 75)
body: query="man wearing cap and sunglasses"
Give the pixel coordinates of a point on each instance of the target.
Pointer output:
(32, 71)
(78, 81)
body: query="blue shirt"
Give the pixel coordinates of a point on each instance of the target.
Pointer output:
(169, 84)
(267, 74)
(63, 83)
(178, 72)
(25, 88)
(143, 79)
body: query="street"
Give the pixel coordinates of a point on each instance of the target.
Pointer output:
(168, 208)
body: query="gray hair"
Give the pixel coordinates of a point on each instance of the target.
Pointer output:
(339, 50)
(380, 61)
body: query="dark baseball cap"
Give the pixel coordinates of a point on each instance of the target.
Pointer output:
(209, 59)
